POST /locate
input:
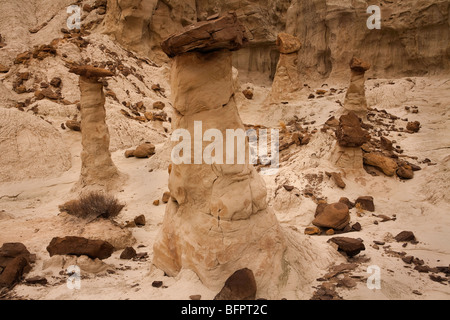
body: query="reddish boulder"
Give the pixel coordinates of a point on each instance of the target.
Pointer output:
(77, 246)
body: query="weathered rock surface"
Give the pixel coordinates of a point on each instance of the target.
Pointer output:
(31, 147)
(393, 50)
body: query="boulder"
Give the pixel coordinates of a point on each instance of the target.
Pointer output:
(405, 236)
(13, 272)
(78, 246)
(145, 150)
(348, 245)
(350, 133)
(334, 216)
(312, 231)
(365, 203)
(413, 126)
(128, 254)
(73, 125)
(405, 171)
(241, 285)
(337, 179)
(159, 105)
(385, 164)
(140, 220)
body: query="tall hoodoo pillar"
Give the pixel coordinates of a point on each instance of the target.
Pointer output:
(286, 84)
(217, 221)
(355, 100)
(98, 172)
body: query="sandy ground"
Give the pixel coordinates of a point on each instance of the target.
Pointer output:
(29, 209)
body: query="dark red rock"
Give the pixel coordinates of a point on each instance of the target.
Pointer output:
(239, 286)
(140, 220)
(405, 236)
(128, 254)
(350, 133)
(56, 82)
(10, 251)
(157, 284)
(366, 203)
(349, 245)
(356, 227)
(13, 272)
(37, 280)
(94, 249)
(408, 259)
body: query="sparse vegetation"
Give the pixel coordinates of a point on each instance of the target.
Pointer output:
(93, 205)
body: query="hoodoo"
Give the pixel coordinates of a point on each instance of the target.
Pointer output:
(98, 172)
(355, 100)
(217, 221)
(287, 81)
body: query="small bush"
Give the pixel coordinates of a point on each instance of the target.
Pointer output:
(93, 205)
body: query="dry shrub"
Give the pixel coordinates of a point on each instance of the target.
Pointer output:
(93, 205)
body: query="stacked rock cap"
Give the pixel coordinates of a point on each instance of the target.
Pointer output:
(287, 43)
(350, 133)
(359, 65)
(90, 72)
(224, 33)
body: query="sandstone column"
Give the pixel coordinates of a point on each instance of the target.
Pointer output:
(287, 81)
(217, 221)
(98, 172)
(355, 99)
